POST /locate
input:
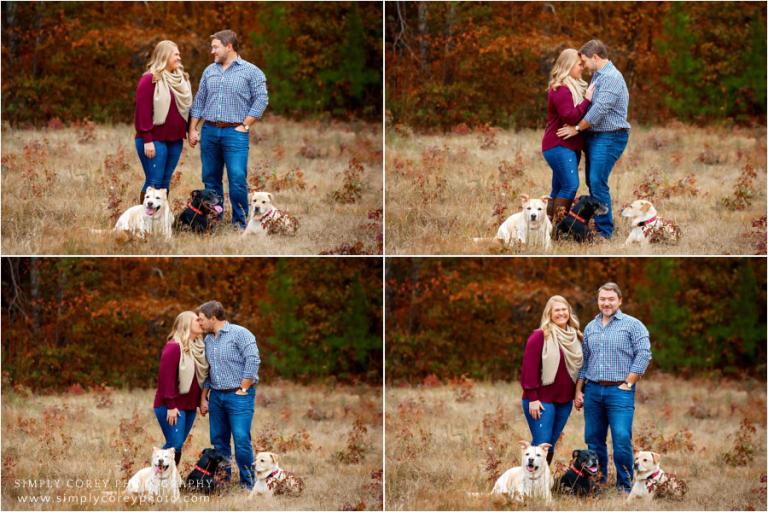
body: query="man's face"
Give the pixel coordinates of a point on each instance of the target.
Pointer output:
(608, 301)
(206, 324)
(219, 51)
(588, 62)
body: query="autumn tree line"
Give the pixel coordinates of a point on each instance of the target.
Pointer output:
(70, 61)
(476, 63)
(450, 317)
(97, 321)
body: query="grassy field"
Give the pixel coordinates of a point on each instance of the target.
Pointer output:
(444, 190)
(60, 183)
(331, 437)
(445, 442)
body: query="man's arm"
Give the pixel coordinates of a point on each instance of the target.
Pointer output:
(258, 87)
(641, 345)
(250, 352)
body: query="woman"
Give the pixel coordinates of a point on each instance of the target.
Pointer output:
(163, 100)
(551, 365)
(183, 369)
(568, 99)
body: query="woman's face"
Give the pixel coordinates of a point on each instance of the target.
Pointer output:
(559, 314)
(173, 61)
(577, 69)
(195, 329)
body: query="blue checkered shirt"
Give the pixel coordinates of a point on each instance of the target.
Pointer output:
(616, 350)
(610, 101)
(232, 356)
(229, 96)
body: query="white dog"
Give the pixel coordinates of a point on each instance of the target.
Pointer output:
(647, 226)
(161, 479)
(531, 226)
(651, 481)
(532, 479)
(153, 217)
(270, 479)
(265, 219)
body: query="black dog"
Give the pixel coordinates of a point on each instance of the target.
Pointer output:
(575, 223)
(581, 475)
(201, 213)
(202, 477)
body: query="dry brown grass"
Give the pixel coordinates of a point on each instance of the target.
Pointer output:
(58, 184)
(444, 190)
(441, 446)
(109, 435)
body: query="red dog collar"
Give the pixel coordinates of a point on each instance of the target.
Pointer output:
(576, 217)
(203, 470)
(646, 222)
(189, 205)
(576, 470)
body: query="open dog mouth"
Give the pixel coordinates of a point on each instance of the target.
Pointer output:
(160, 468)
(151, 210)
(592, 470)
(530, 468)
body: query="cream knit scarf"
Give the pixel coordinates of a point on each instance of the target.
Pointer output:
(568, 340)
(182, 91)
(191, 364)
(577, 87)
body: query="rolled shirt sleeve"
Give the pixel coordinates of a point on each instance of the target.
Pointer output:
(250, 352)
(601, 103)
(641, 344)
(258, 86)
(198, 105)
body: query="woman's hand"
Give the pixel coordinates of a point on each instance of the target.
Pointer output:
(578, 400)
(171, 416)
(590, 92)
(535, 408)
(566, 132)
(149, 149)
(204, 406)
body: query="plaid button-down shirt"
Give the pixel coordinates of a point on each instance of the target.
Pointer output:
(610, 101)
(232, 356)
(228, 96)
(613, 351)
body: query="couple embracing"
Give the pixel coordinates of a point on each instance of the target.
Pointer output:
(595, 370)
(592, 119)
(232, 95)
(211, 365)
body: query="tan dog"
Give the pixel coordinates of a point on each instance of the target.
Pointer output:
(652, 482)
(160, 481)
(647, 226)
(153, 217)
(265, 219)
(531, 226)
(270, 480)
(532, 479)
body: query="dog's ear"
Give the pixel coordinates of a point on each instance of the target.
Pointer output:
(645, 206)
(269, 195)
(173, 450)
(545, 446)
(195, 193)
(274, 457)
(575, 454)
(524, 198)
(656, 457)
(524, 444)
(546, 199)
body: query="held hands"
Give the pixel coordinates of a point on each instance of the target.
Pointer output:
(590, 92)
(566, 132)
(203, 407)
(578, 401)
(535, 408)
(149, 149)
(171, 416)
(194, 138)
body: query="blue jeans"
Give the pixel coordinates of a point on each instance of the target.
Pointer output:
(565, 171)
(231, 417)
(158, 170)
(549, 426)
(609, 406)
(227, 146)
(602, 151)
(175, 435)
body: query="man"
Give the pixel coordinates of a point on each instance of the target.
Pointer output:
(230, 389)
(605, 127)
(231, 97)
(617, 351)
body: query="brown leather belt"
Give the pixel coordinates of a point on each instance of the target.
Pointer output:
(220, 124)
(609, 382)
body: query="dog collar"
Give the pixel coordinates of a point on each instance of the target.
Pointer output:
(654, 475)
(576, 470)
(646, 222)
(203, 470)
(575, 216)
(189, 205)
(266, 215)
(274, 473)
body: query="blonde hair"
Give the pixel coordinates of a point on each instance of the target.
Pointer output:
(159, 59)
(562, 68)
(546, 317)
(182, 327)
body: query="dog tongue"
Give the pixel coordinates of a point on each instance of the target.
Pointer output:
(150, 211)
(218, 208)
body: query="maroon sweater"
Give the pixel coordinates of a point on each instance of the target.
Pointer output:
(168, 382)
(174, 128)
(560, 111)
(562, 390)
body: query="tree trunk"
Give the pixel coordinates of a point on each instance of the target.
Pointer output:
(423, 32)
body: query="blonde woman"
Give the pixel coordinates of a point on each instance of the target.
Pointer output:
(568, 99)
(551, 365)
(183, 369)
(163, 101)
